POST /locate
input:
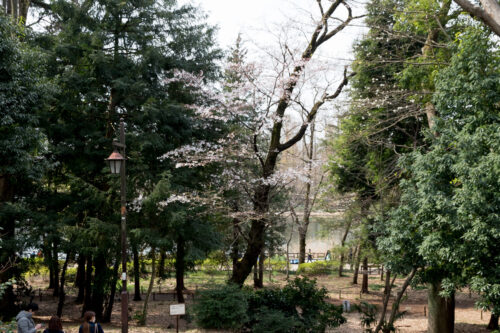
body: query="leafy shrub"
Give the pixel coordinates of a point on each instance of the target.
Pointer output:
(274, 321)
(300, 307)
(301, 304)
(223, 307)
(320, 267)
(8, 327)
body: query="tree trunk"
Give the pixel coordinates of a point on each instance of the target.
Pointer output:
(55, 261)
(100, 281)
(364, 284)
(387, 296)
(111, 301)
(234, 248)
(150, 288)
(493, 324)
(381, 273)
(161, 264)
(388, 287)
(137, 275)
(356, 266)
(259, 283)
(441, 311)
(302, 245)
(50, 264)
(342, 244)
(62, 294)
(88, 286)
(179, 269)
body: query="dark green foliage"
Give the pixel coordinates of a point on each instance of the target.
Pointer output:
(447, 219)
(274, 321)
(223, 307)
(301, 302)
(299, 307)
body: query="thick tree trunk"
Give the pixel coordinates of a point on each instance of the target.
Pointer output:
(150, 288)
(62, 294)
(88, 286)
(364, 284)
(441, 311)
(137, 275)
(180, 267)
(8, 308)
(302, 245)
(111, 301)
(80, 279)
(493, 324)
(254, 246)
(100, 281)
(161, 264)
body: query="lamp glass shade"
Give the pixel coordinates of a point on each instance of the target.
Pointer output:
(115, 162)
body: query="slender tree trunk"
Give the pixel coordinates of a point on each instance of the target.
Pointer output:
(493, 324)
(88, 286)
(441, 311)
(356, 266)
(150, 288)
(80, 271)
(234, 249)
(388, 287)
(387, 296)
(55, 261)
(109, 307)
(364, 284)
(381, 273)
(62, 294)
(342, 244)
(262, 260)
(50, 264)
(137, 275)
(288, 254)
(179, 269)
(395, 305)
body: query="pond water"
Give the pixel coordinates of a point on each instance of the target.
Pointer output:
(322, 235)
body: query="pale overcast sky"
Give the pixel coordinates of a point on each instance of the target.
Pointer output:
(255, 18)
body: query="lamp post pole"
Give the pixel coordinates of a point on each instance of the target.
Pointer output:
(123, 227)
(117, 164)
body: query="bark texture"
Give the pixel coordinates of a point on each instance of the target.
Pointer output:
(441, 311)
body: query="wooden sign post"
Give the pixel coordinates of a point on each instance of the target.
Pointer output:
(177, 310)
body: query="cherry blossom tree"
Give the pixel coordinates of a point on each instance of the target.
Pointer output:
(266, 100)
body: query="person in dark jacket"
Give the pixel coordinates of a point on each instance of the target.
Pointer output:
(55, 325)
(89, 325)
(25, 323)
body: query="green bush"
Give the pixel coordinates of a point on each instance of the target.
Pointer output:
(300, 307)
(301, 304)
(320, 267)
(274, 321)
(223, 307)
(8, 327)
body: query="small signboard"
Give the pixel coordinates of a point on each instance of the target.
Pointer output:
(177, 309)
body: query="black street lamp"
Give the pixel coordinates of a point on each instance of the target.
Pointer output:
(117, 164)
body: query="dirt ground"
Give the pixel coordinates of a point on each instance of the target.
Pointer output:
(467, 318)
